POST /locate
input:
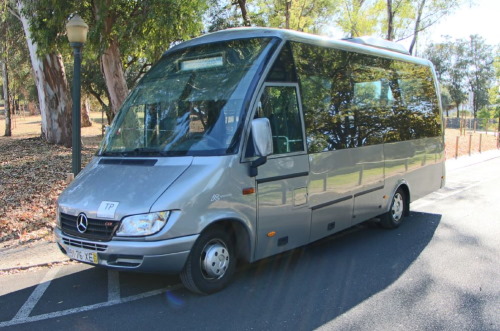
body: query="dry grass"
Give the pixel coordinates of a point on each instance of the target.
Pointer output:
(33, 174)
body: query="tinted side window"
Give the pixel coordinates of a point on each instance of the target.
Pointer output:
(352, 99)
(418, 93)
(344, 96)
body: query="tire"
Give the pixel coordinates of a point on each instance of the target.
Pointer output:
(211, 263)
(394, 217)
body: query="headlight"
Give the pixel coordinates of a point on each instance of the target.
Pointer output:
(143, 225)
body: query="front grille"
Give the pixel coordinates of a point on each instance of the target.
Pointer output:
(85, 245)
(100, 230)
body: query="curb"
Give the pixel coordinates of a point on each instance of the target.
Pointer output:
(40, 265)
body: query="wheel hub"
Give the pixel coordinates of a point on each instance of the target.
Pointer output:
(397, 207)
(215, 260)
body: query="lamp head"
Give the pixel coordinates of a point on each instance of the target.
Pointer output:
(77, 30)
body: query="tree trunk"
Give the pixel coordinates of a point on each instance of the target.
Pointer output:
(417, 25)
(288, 6)
(111, 64)
(6, 103)
(86, 122)
(390, 21)
(52, 87)
(58, 101)
(113, 75)
(244, 12)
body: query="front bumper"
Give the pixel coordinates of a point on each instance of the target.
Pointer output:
(164, 256)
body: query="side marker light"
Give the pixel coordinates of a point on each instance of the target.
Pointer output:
(248, 190)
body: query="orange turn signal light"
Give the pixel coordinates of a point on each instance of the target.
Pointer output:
(248, 190)
(271, 234)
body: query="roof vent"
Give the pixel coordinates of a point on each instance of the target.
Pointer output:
(379, 43)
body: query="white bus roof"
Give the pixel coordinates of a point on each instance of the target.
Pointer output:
(367, 45)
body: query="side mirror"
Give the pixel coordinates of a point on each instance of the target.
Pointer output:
(262, 142)
(262, 137)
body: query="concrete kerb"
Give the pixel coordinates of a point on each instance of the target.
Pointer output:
(40, 253)
(44, 253)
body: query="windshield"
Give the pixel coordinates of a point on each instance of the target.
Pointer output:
(190, 103)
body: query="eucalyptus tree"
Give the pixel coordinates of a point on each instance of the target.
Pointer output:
(48, 70)
(128, 32)
(121, 32)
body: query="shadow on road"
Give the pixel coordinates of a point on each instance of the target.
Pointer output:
(302, 289)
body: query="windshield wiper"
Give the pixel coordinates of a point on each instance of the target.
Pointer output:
(143, 151)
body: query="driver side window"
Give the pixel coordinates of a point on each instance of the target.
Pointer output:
(280, 105)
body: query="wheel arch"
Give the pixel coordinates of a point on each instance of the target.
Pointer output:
(240, 234)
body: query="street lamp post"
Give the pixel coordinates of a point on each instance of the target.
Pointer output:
(77, 35)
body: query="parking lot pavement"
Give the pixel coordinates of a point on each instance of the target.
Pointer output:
(42, 294)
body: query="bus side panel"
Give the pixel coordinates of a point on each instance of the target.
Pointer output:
(333, 178)
(419, 163)
(344, 181)
(368, 198)
(428, 176)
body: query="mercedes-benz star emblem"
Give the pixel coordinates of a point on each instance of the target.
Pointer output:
(82, 223)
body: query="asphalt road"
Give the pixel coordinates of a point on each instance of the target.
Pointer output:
(438, 271)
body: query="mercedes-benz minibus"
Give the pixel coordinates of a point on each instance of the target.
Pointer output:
(249, 142)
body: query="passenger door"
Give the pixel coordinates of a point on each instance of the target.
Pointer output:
(283, 215)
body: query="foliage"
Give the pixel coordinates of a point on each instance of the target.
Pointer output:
(480, 73)
(391, 19)
(144, 29)
(303, 15)
(463, 67)
(359, 17)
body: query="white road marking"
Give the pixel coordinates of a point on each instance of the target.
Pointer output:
(113, 285)
(28, 306)
(89, 307)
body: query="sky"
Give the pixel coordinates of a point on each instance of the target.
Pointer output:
(483, 19)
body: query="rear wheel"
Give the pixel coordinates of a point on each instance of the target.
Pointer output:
(393, 218)
(211, 263)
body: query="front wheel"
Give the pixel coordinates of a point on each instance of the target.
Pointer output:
(393, 218)
(211, 263)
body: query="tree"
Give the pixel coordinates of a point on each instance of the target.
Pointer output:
(123, 33)
(450, 61)
(392, 19)
(6, 97)
(300, 15)
(480, 72)
(50, 78)
(359, 17)
(13, 55)
(5, 74)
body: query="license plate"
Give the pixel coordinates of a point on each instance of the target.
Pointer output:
(82, 255)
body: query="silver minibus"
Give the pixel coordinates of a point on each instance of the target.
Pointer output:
(249, 142)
